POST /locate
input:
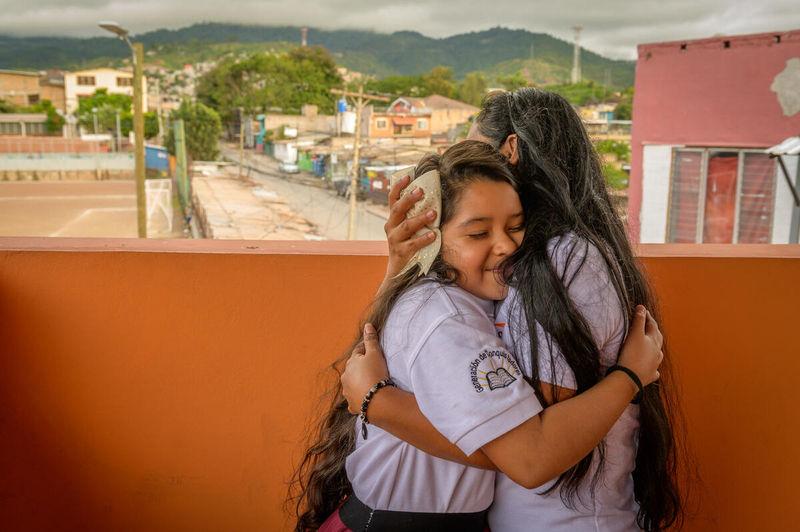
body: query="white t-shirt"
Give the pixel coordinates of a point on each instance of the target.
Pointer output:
(613, 508)
(440, 344)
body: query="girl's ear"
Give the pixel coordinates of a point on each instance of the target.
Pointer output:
(509, 149)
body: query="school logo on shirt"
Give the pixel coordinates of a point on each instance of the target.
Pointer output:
(493, 370)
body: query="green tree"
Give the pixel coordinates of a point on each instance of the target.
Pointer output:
(513, 81)
(150, 125)
(473, 88)
(624, 111)
(440, 81)
(260, 82)
(203, 128)
(107, 106)
(398, 86)
(620, 148)
(7, 107)
(55, 121)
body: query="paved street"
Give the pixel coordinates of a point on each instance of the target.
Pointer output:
(306, 195)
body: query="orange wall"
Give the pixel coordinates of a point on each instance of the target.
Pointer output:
(163, 385)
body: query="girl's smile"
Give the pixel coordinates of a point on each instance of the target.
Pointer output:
(486, 227)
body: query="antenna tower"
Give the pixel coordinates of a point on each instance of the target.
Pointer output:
(576, 57)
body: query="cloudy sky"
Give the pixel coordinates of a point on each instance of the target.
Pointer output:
(612, 27)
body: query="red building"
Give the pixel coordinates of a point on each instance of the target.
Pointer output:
(704, 111)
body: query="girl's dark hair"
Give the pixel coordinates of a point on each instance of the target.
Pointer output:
(563, 191)
(320, 483)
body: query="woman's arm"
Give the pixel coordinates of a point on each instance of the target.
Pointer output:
(540, 448)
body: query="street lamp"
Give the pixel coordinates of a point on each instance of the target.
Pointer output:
(138, 121)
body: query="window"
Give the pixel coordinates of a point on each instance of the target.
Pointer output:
(381, 123)
(86, 80)
(33, 99)
(422, 124)
(35, 128)
(10, 128)
(721, 196)
(124, 82)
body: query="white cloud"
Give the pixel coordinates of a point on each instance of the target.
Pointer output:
(612, 27)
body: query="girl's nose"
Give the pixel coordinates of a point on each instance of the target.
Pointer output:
(505, 245)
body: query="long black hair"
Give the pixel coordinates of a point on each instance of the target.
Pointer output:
(563, 193)
(320, 483)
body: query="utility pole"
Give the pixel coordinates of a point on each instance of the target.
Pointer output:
(138, 133)
(241, 143)
(361, 100)
(119, 134)
(576, 58)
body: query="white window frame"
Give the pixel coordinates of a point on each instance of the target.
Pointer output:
(701, 197)
(384, 121)
(422, 124)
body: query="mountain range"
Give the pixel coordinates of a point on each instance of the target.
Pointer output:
(542, 58)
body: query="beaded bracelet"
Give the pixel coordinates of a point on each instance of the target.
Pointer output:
(363, 415)
(634, 377)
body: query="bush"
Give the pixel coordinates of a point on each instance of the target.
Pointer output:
(202, 127)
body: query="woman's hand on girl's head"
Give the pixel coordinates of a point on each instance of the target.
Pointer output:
(641, 351)
(365, 368)
(400, 230)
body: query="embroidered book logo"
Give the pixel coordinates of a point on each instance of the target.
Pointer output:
(493, 370)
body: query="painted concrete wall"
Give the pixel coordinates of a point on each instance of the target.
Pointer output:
(164, 385)
(105, 78)
(710, 95)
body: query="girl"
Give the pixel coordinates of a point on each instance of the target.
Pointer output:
(575, 284)
(439, 337)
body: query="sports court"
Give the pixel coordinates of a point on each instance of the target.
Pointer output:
(76, 209)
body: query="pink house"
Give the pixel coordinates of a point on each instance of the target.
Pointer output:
(704, 112)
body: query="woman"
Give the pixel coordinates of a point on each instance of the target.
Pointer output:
(574, 284)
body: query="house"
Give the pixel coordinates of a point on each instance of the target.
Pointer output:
(445, 113)
(705, 113)
(84, 83)
(398, 125)
(19, 88)
(51, 87)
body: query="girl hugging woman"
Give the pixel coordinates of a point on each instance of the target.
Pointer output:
(472, 410)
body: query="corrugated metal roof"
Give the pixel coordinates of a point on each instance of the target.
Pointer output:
(790, 146)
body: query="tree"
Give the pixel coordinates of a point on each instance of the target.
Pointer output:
(150, 125)
(202, 127)
(7, 107)
(440, 81)
(513, 81)
(398, 86)
(473, 89)
(107, 106)
(624, 111)
(260, 82)
(55, 121)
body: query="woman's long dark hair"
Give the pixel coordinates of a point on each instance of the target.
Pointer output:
(563, 191)
(320, 483)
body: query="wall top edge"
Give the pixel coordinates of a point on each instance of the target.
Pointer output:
(357, 248)
(242, 247)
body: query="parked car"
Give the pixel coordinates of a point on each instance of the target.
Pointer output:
(288, 167)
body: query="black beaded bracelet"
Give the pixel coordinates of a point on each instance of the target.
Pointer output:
(363, 415)
(634, 377)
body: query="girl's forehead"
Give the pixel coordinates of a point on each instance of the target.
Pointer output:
(489, 199)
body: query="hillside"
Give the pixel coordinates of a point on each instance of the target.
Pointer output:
(493, 51)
